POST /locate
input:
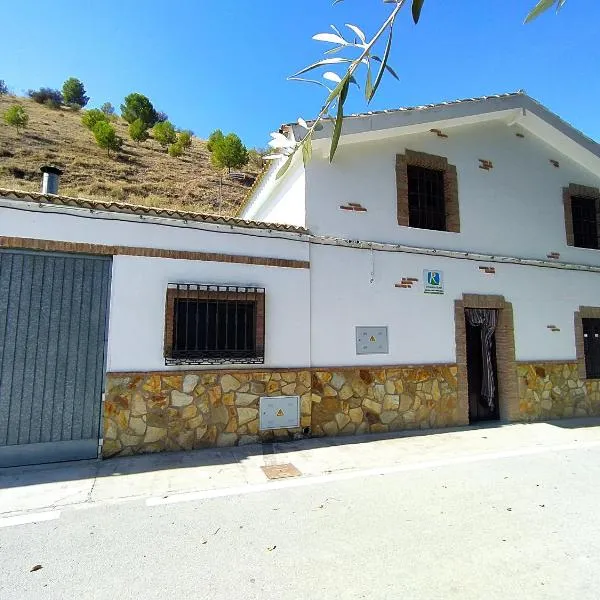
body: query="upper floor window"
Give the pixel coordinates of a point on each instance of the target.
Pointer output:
(426, 203)
(427, 192)
(208, 324)
(585, 226)
(591, 347)
(581, 204)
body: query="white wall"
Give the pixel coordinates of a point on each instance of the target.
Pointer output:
(82, 226)
(139, 284)
(515, 209)
(421, 326)
(280, 201)
(137, 310)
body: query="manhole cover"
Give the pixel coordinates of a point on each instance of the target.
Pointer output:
(281, 471)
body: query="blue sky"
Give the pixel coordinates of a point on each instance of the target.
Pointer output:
(215, 64)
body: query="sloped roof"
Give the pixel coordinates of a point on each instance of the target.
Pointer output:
(135, 209)
(453, 109)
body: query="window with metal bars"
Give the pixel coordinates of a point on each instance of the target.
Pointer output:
(585, 224)
(213, 324)
(591, 347)
(426, 201)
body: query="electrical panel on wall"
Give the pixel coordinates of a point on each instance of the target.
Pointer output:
(279, 412)
(372, 340)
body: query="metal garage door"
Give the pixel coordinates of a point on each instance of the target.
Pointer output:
(53, 322)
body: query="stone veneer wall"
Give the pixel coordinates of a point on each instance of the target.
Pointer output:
(554, 390)
(151, 412)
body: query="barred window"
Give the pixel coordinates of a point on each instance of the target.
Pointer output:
(212, 324)
(585, 227)
(426, 202)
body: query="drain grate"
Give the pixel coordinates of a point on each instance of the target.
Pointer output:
(280, 471)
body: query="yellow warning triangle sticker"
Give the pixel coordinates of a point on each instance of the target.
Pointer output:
(279, 413)
(372, 339)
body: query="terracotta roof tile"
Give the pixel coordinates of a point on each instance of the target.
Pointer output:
(135, 209)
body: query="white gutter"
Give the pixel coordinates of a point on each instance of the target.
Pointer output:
(293, 236)
(457, 254)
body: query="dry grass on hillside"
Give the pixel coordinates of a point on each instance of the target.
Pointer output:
(139, 174)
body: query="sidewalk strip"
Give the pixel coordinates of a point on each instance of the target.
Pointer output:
(348, 475)
(29, 518)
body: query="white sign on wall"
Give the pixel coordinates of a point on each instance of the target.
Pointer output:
(433, 282)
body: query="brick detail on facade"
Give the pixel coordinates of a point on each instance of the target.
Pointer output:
(485, 164)
(427, 161)
(101, 249)
(353, 206)
(582, 191)
(505, 352)
(584, 312)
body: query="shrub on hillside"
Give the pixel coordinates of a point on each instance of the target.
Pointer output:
(16, 117)
(138, 106)
(93, 116)
(175, 150)
(3, 88)
(184, 139)
(106, 137)
(48, 96)
(164, 133)
(74, 93)
(138, 131)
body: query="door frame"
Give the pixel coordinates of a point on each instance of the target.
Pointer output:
(508, 399)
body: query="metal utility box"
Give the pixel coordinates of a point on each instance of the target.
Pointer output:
(279, 412)
(372, 340)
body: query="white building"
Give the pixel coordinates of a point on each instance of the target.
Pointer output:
(358, 309)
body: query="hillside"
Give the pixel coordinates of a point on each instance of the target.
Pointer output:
(139, 174)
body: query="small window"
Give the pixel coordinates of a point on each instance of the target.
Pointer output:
(591, 347)
(426, 202)
(212, 324)
(585, 228)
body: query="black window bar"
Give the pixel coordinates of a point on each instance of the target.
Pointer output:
(591, 347)
(585, 225)
(215, 324)
(426, 201)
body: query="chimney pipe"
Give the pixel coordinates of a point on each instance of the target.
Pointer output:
(50, 179)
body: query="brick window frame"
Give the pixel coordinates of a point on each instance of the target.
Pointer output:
(427, 161)
(581, 191)
(214, 292)
(584, 312)
(505, 354)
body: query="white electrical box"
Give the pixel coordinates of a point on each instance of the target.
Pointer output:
(372, 340)
(279, 412)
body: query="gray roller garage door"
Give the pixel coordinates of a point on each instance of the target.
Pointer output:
(53, 323)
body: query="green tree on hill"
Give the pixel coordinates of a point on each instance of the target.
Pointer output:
(108, 109)
(229, 152)
(93, 116)
(164, 133)
(47, 96)
(3, 88)
(138, 106)
(213, 138)
(16, 117)
(106, 137)
(138, 131)
(184, 139)
(74, 93)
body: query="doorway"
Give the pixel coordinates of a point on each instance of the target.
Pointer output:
(482, 372)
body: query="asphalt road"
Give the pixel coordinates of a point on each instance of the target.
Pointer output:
(507, 526)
